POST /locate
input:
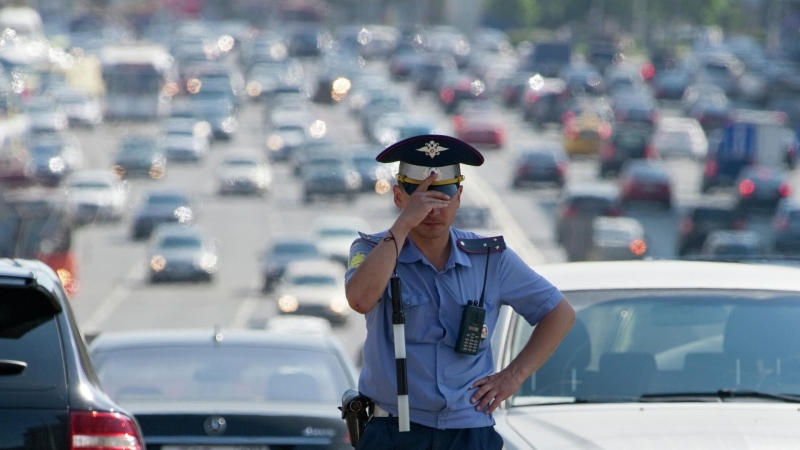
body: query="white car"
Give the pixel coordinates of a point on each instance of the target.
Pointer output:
(244, 173)
(96, 195)
(616, 238)
(335, 234)
(663, 355)
(314, 288)
(680, 137)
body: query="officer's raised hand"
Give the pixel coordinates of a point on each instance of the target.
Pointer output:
(417, 206)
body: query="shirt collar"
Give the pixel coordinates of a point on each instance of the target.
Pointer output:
(411, 254)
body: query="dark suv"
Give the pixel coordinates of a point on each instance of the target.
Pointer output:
(50, 396)
(628, 141)
(702, 219)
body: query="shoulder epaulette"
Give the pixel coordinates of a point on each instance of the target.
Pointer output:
(370, 238)
(482, 245)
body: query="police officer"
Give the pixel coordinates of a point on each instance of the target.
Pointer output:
(451, 394)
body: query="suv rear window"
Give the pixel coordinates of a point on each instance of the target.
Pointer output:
(713, 215)
(29, 333)
(594, 205)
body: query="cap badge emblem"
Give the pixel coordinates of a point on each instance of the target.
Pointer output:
(433, 171)
(432, 149)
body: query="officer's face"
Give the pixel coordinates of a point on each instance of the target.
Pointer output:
(437, 223)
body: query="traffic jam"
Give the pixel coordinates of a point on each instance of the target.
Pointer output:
(179, 196)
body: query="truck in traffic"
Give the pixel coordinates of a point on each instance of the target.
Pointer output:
(751, 138)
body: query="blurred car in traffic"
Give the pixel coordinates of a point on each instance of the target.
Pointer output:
(314, 288)
(458, 87)
(95, 196)
(375, 176)
(680, 137)
(577, 207)
(165, 205)
(644, 180)
(80, 108)
(183, 145)
(181, 253)
(668, 351)
(243, 173)
(702, 218)
(139, 156)
(586, 125)
(671, 84)
(53, 156)
(786, 227)
(284, 137)
(282, 251)
(761, 188)
(733, 244)
(51, 394)
(627, 141)
(430, 70)
(477, 219)
(308, 325)
(330, 176)
(45, 116)
(546, 163)
(335, 233)
(273, 390)
(544, 100)
(480, 126)
(583, 78)
(616, 239)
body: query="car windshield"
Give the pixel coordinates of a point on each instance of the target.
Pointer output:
(628, 343)
(295, 249)
(184, 242)
(249, 374)
(313, 280)
(337, 232)
(166, 200)
(241, 163)
(89, 185)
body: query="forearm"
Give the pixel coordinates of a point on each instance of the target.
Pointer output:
(368, 283)
(543, 341)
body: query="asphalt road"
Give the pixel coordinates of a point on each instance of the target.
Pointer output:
(115, 294)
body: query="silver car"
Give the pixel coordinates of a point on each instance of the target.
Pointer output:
(244, 173)
(663, 355)
(181, 253)
(314, 288)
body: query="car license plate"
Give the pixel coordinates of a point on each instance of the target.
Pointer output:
(215, 447)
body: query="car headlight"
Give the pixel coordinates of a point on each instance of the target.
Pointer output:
(275, 143)
(288, 304)
(208, 262)
(56, 164)
(184, 214)
(230, 124)
(339, 304)
(254, 89)
(157, 263)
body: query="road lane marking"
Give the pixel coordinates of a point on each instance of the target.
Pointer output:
(110, 303)
(512, 232)
(244, 313)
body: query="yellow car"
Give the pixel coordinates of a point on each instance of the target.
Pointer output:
(583, 133)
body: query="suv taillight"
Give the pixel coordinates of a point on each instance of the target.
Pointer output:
(92, 430)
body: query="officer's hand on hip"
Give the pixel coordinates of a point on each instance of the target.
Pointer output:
(421, 203)
(494, 389)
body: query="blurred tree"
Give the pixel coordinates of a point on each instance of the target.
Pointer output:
(505, 14)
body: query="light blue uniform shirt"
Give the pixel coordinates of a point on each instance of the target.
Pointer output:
(439, 379)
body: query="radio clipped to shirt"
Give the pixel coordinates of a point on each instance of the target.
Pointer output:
(471, 332)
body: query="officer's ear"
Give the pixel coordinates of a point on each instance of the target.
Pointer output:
(399, 194)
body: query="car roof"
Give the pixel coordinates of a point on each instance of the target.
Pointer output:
(110, 341)
(617, 275)
(314, 267)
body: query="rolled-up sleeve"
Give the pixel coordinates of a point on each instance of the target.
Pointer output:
(359, 250)
(527, 292)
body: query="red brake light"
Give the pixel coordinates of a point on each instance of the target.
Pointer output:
(569, 212)
(650, 152)
(458, 122)
(447, 95)
(747, 187)
(785, 189)
(710, 169)
(686, 225)
(604, 130)
(647, 71)
(562, 167)
(531, 97)
(638, 247)
(104, 431)
(782, 223)
(572, 131)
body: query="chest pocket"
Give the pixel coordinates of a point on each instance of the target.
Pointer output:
(421, 319)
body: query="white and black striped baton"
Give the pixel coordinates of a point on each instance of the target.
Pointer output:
(399, 326)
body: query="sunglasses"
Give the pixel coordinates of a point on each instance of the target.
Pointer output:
(447, 189)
